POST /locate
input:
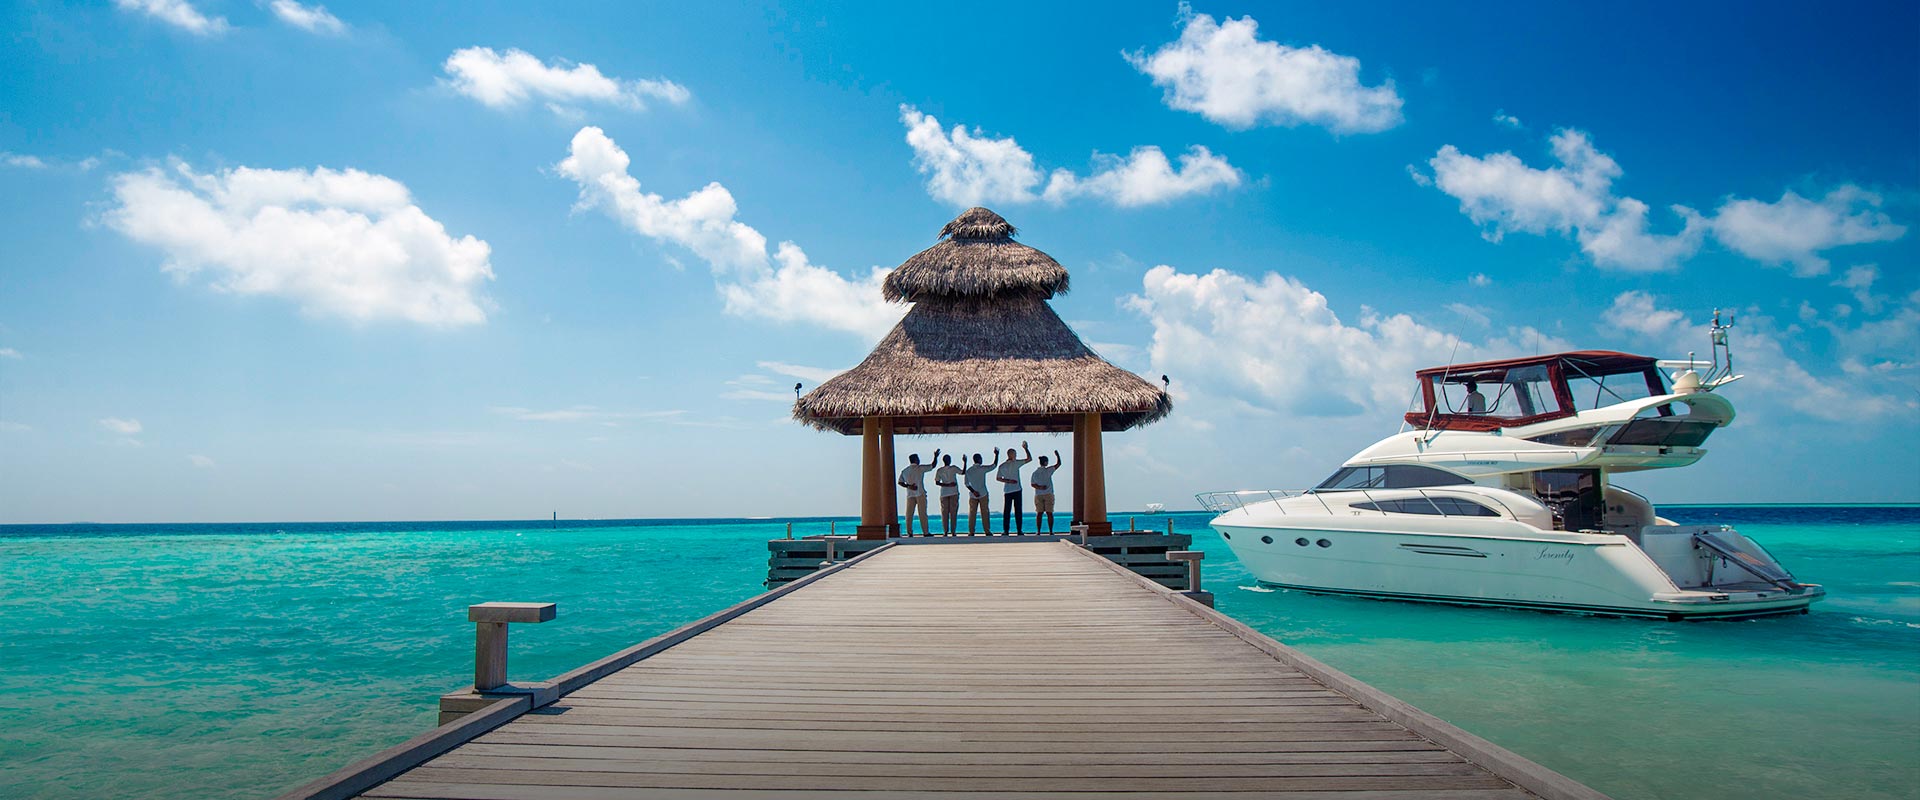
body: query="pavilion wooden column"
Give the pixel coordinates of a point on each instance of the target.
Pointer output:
(1079, 474)
(873, 509)
(1095, 506)
(889, 472)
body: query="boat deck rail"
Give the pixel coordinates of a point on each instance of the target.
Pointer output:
(1223, 502)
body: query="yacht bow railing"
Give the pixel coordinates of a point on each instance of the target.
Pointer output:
(1223, 502)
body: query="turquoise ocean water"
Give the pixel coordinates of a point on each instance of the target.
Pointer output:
(218, 661)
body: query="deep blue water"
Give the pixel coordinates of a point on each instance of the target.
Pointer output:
(235, 660)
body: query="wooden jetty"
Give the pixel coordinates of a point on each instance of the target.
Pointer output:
(925, 670)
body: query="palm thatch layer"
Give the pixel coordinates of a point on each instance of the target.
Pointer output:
(978, 366)
(977, 257)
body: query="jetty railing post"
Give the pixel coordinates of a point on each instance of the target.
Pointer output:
(490, 637)
(1193, 559)
(789, 530)
(1169, 528)
(1080, 530)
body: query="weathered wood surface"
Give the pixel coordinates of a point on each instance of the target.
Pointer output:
(1011, 669)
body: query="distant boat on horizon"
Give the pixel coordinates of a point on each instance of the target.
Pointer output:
(1156, 508)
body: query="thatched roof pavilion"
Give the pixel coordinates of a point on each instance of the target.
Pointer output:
(981, 352)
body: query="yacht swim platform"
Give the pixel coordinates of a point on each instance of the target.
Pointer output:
(924, 669)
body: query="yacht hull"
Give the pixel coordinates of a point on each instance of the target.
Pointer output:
(1523, 568)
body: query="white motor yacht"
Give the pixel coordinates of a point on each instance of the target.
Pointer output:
(1500, 492)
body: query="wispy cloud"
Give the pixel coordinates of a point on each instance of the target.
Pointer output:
(515, 78)
(177, 13)
(581, 414)
(8, 352)
(312, 19)
(124, 427)
(784, 286)
(21, 161)
(200, 461)
(805, 373)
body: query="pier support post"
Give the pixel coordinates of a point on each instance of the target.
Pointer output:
(490, 637)
(873, 510)
(1193, 559)
(490, 660)
(1078, 477)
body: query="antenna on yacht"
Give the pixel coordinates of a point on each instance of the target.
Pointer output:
(1722, 369)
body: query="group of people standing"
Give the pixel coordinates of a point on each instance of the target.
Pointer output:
(972, 478)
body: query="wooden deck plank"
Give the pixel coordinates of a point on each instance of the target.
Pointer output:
(1020, 670)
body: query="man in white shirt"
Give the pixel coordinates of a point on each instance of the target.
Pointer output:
(914, 479)
(1013, 511)
(1042, 484)
(1476, 402)
(978, 507)
(948, 479)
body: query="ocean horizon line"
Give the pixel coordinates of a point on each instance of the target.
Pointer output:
(613, 521)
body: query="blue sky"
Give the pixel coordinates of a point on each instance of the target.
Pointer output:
(273, 261)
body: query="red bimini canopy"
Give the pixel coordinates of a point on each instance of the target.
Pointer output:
(1549, 374)
(1591, 362)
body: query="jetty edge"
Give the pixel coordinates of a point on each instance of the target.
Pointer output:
(929, 668)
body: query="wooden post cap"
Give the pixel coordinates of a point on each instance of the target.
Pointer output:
(1185, 555)
(511, 612)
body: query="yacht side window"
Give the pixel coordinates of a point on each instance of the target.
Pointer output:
(1430, 506)
(1392, 476)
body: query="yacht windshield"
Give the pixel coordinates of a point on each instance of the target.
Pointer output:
(1392, 476)
(1599, 390)
(1513, 393)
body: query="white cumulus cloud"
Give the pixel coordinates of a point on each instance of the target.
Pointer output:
(1794, 230)
(341, 243)
(969, 168)
(1575, 198)
(1223, 71)
(312, 19)
(782, 286)
(1635, 311)
(178, 13)
(515, 77)
(1275, 344)
(1145, 177)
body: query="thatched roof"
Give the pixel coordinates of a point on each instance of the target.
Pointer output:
(976, 257)
(972, 358)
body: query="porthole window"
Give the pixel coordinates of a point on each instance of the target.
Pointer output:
(1301, 541)
(1225, 535)
(1324, 543)
(1266, 540)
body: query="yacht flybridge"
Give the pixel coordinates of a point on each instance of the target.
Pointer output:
(1499, 492)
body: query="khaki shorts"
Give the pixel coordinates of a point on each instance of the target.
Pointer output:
(1043, 504)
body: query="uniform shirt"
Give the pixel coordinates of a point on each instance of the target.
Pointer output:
(977, 478)
(1010, 470)
(916, 474)
(1043, 479)
(949, 479)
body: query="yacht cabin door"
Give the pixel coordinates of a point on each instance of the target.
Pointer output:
(1576, 497)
